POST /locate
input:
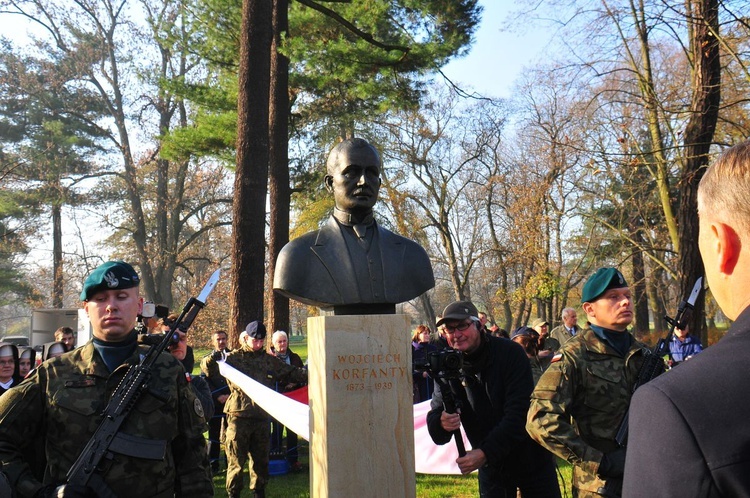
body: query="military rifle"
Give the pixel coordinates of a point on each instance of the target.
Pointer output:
(653, 364)
(107, 439)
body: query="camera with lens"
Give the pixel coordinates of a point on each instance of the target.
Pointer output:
(446, 360)
(446, 364)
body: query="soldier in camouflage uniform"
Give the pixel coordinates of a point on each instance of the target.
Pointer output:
(160, 450)
(581, 398)
(248, 425)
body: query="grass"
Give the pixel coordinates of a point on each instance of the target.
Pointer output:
(297, 485)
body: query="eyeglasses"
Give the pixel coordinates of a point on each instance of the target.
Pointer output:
(460, 327)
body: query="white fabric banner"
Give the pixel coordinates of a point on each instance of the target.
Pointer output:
(429, 457)
(290, 413)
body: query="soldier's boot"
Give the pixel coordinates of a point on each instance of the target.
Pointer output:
(259, 493)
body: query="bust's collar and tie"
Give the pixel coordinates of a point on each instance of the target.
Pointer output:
(358, 223)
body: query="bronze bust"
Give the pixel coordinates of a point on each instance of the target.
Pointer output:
(352, 265)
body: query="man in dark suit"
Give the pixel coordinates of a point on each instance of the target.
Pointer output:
(219, 393)
(689, 434)
(352, 265)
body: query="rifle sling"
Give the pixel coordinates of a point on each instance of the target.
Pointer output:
(100, 487)
(138, 447)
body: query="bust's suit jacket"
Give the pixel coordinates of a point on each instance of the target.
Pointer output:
(689, 429)
(316, 268)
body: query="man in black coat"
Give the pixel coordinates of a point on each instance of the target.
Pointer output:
(493, 391)
(689, 434)
(219, 394)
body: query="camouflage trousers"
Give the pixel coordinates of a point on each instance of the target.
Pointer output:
(247, 439)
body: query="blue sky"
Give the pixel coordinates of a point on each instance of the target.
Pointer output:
(492, 65)
(497, 57)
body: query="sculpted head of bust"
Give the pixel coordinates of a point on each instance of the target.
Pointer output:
(353, 176)
(353, 265)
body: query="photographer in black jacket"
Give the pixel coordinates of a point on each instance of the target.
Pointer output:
(492, 395)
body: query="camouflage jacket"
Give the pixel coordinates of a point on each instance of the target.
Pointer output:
(579, 401)
(61, 404)
(261, 367)
(216, 382)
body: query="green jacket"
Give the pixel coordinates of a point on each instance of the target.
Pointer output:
(261, 367)
(59, 407)
(579, 401)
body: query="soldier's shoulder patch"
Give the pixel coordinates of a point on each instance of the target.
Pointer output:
(198, 408)
(546, 387)
(556, 358)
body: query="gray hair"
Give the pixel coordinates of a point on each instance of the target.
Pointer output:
(278, 333)
(566, 312)
(725, 187)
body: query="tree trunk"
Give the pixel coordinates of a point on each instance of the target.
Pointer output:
(251, 175)
(57, 260)
(656, 298)
(280, 191)
(641, 295)
(427, 310)
(651, 107)
(699, 134)
(507, 316)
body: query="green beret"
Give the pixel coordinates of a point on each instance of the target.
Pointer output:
(110, 275)
(603, 280)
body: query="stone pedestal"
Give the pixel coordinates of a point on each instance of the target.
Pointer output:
(361, 415)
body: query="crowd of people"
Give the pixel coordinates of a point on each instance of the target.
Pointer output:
(684, 429)
(565, 395)
(50, 410)
(521, 398)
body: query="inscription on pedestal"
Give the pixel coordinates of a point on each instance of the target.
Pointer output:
(361, 407)
(360, 372)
